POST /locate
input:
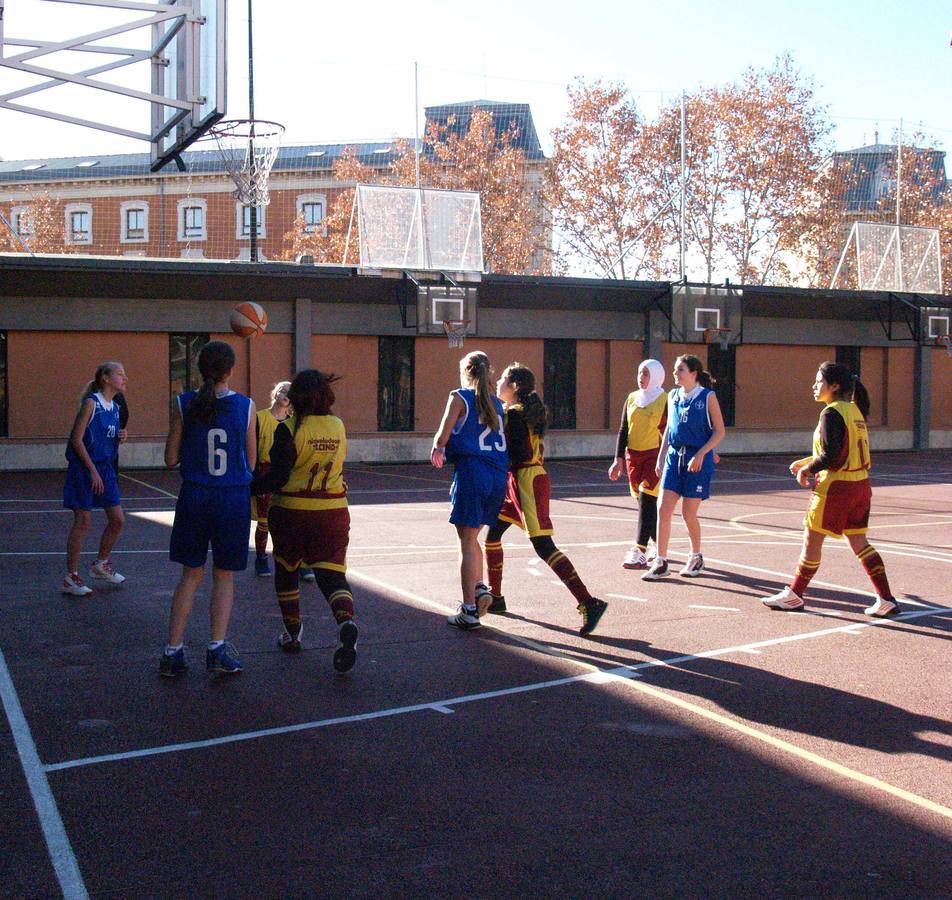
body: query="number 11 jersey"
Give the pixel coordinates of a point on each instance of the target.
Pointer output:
(317, 477)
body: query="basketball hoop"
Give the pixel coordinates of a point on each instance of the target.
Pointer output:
(248, 149)
(944, 340)
(455, 331)
(720, 336)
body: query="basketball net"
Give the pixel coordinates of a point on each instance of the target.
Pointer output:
(455, 331)
(720, 336)
(945, 340)
(248, 149)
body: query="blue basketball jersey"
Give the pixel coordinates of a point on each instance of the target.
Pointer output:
(101, 439)
(688, 421)
(471, 437)
(215, 455)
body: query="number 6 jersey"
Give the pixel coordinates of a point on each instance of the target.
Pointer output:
(215, 454)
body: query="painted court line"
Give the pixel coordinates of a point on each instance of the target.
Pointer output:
(703, 606)
(627, 597)
(54, 833)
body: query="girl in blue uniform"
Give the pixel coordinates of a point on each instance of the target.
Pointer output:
(686, 460)
(212, 435)
(91, 479)
(472, 437)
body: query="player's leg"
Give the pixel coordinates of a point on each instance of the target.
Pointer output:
(590, 608)
(791, 597)
(221, 656)
(259, 507)
(183, 599)
(102, 568)
(875, 569)
(669, 502)
(492, 548)
(336, 590)
(689, 514)
(288, 588)
(72, 584)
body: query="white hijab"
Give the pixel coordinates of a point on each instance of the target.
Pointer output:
(654, 390)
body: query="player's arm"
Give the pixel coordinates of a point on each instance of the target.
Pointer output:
(717, 433)
(455, 407)
(283, 459)
(80, 424)
(833, 443)
(618, 466)
(173, 443)
(518, 441)
(251, 437)
(120, 399)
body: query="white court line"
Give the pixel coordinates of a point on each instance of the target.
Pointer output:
(627, 597)
(703, 606)
(54, 833)
(151, 487)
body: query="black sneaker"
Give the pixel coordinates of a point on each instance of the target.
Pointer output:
(498, 605)
(345, 655)
(591, 611)
(172, 665)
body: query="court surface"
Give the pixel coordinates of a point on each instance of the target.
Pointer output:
(696, 744)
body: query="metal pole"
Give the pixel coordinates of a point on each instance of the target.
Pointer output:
(416, 117)
(899, 278)
(684, 183)
(251, 137)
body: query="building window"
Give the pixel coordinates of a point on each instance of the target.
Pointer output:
(244, 222)
(310, 209)
(21, 221)
(722, 364)
(4, 426)
(183, 362)
(849, 357)
(134, 223)
(395, 384)
(192, 220)
(79, 223)
(559, 366)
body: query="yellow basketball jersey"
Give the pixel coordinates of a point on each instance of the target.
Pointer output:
(643, 422)
(317, 479)
(857, 464)
(267, 425)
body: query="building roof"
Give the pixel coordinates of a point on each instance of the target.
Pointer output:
(292, 158)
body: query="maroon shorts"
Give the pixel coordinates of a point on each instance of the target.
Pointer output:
(843, 508)
(527, 501)
(641, 471)
(313, 538)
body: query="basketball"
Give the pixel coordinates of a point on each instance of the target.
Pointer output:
(248, 319)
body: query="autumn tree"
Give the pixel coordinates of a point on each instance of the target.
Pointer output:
(596, 185)
(45, 229)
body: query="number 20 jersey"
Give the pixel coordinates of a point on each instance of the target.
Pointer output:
(215, 454)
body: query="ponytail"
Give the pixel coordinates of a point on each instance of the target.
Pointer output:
(475, 368)
(533, 409)
(848, 386)
(215, 360)
(103, 371)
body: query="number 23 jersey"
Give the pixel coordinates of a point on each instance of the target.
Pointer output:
(215, 454)
(472, 438)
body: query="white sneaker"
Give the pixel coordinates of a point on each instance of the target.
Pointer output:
(466, 618)
(484, 598)
(785, 599)
(73, 584)
(103, 570)
(635, 559)
(882, 608)
(658, 570)
(694, 566)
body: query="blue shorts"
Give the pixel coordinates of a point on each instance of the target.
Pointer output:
(211, 515)
(78, 490)
(477, 493)
(677, 478)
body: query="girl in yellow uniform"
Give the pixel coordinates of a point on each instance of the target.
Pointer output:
(643, 421)
(265, 427)
(841, 492)
(310, 521)
(527, 500)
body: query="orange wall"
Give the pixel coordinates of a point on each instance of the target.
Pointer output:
(354, 358)
(899, 387)
(941, 389)
(48, 371)
(623, 360)
(874, 366)
(774, 385)
(591, 385)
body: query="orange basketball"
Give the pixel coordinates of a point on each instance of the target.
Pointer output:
(248, 319)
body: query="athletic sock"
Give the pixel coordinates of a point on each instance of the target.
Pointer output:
(559, 563)
(806, 569)
(342, 605)
(214, 645)
(261, 538)
(171, 650)
(872, 562)
(290, 603)
(494, 563)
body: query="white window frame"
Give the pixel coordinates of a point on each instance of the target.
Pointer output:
(19, 215)
(197, 203)
(313, 198)
(75, 209)
(240, 222)
(124, 210)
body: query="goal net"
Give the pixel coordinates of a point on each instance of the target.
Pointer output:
(419, 228)
(891, 258)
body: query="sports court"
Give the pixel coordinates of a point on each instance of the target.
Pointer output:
(696, 744)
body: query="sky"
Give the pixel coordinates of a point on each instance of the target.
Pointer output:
(343, 72)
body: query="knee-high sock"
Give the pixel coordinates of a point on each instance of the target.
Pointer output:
(872, 562)
(289, 598)
(337, 592)
(806, 569)
(647, 520)
(559, 563)
(261, 537)
(492, 550)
